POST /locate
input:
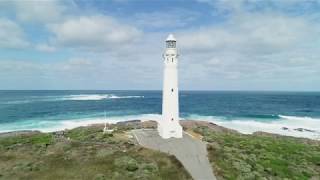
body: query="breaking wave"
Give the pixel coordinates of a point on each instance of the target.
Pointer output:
(83, 97)
(285, 125)
(50, 126)
(95, 97)
(18, 102)
(80, 97)
(306, 127)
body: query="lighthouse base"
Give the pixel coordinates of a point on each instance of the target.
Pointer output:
(169, 130)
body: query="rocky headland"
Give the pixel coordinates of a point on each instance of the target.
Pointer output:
(88, 153)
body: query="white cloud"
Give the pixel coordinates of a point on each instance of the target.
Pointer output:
(263, 33)
(241, 49)
(11, 35)
(266, 50)
(45, 48)
(165, 19)
(79, 73)
(241, 5)
(45, 11)
(93, 32)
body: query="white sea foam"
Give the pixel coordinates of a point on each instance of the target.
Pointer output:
(69, 124)
(124, 97)
(95, 97)
(309, 127)
(80, 97)
(50, 126)
(287, 125)
(84, 97)
(18, 102)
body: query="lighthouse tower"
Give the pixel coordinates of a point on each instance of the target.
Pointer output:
(169, 125)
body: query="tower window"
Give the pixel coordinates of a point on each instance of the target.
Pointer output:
(172, 90)
(171, 44)
(171, 119)
(172, 59)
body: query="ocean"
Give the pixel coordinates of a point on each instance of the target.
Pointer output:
(287, 113)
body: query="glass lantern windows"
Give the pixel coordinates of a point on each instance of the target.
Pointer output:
(171, 44)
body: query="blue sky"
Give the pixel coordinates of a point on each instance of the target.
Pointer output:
(117, 44)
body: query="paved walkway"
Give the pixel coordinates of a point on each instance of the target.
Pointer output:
(192, 153)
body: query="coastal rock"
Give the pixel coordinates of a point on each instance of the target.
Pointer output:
(190, 124)
(18, 133)
(128, 123)
(150, 124)
(303, 129)
(304, 140)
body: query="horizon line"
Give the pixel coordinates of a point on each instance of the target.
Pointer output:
(216, 90)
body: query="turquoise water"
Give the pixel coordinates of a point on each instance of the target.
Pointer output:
(244, 111)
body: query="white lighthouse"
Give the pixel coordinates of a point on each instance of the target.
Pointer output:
(169, 125)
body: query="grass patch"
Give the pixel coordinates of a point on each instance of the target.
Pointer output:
(238, 156)
(83, 153)
(35, 139)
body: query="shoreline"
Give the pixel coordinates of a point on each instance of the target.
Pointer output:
(296, 126)
(139, 124)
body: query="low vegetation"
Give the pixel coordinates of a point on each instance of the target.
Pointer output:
(87, 153)
(261, 156)
(83, 153)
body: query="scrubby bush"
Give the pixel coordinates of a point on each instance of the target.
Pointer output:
(100, 177)
(35, 139)
(88, 154)
(238, 156)
(150, 167)
(132, 165)
(126, 162)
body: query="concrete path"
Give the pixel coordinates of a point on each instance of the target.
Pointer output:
(192, 153)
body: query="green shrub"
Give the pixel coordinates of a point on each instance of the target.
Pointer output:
(100, 177)
(36, 139)
(132, 165)
(126, 162)
(238, 156)
(89, 155)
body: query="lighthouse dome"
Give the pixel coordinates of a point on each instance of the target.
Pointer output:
(171, 38)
